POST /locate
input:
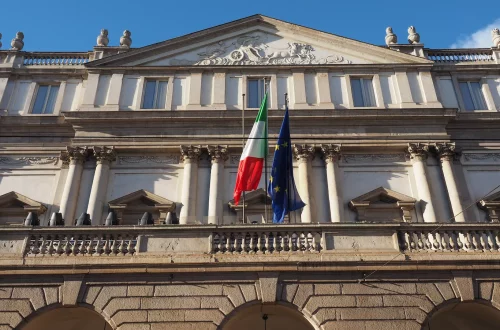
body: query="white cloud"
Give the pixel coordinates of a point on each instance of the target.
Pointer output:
(479, 39)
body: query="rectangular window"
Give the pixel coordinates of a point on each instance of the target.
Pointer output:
(45, 99)
(362, 92)
(472, 95)
(257, 87)
(155, 94)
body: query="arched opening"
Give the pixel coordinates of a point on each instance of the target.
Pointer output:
(67, 318)
(266, 317)
(464, 316)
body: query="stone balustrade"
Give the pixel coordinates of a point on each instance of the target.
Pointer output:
(56, 59)
(454, 56)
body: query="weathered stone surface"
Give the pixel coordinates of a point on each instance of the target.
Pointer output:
(35, 295)
(248, 292)
(345, 325)
(183, 326)
(268, 286)
(465, 284)
(140, 290)
(485, 290)
(325, 314)
(303, 293)
(415, 313)
(326, 288)
(51, 295)
(495, 296)
(16, 305)
(369, 301)
(10, 318)
(392, 325)
(5, 327)
(446, 290)
(134, 326)
(233, 292)
(211, 315)
(166, 315)
(170, 302)
(359, 313)
(71, 289)
(413, 300)
(431, 291)
(117, 304)
(222, 303)
(316, 302)
(187, 290)
(288, 291)
(91, 294)
(130, 317)
(107, 293)
(5, 292)
(379, 288)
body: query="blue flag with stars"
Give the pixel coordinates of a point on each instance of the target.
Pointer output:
(281, 185)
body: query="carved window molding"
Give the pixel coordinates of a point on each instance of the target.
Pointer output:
(255, 207)
(491, 205)
(14, 207)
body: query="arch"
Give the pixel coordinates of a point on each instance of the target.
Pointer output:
(57, 317)
(281, 315)
(466, 315)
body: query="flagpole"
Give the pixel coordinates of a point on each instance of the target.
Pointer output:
(267, 150)
(287, 163)
(243, 145)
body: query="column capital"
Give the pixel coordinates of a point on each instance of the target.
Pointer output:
(303, 152)
(104, 154)
(331, 152)
(418, 151)
(218, 153)
(190, 153)
(446, 151)
(74, 155)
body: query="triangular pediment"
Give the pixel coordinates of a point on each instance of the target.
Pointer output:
(257, 40)
(382, 195)
(140, 199)
(257, 197)
(14, 202)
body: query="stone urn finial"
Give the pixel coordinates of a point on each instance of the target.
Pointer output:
(390, 37)
(125, 40)
(102, 39)
(17, 43)
(413, 36)
(495, 37)
(0, 40)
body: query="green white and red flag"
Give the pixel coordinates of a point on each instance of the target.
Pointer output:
(254, 153)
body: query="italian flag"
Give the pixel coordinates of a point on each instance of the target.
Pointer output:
(252, 159)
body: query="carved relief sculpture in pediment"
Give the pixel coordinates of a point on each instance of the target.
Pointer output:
(132, 207)
(491, 205)
(14, 208)
(255, 207)
(383, 205)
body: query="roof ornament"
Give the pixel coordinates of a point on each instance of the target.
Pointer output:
(125, 40)
(413, 36)
(390, 37)
(495, 37)
(102, 39)
(17, 43)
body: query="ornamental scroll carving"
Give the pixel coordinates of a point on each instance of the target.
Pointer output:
(169, 159)
(374, 158)
(482, 157)
(29, 160)
(251, 49)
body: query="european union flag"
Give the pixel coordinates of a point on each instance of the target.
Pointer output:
(281, 185)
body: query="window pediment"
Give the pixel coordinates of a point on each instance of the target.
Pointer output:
(255, 206)
(491, 205)
(14, 203)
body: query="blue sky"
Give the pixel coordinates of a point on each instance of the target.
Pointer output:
(74, 25)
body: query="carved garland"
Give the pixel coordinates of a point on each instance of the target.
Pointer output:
(29, 160)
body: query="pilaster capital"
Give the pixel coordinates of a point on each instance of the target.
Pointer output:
(418, 151)
(190, 153)
(303, 152)
(218, 154)
(446, 151)
(74, 155)
(104, 155)
(331, 152)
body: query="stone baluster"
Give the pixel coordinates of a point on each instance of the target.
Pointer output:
(304, 155)
(218, 155)
(331, 155)
(446, 153)
(419, 153)
(104, 156)
(74, 157)
(190, 156)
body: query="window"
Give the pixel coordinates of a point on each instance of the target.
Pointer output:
(257, 87)
(472, 95)
(362, 92)
(45, 99)
(155, 94)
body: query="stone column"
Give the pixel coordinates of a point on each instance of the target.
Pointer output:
(331, 154)
(419, 153)
(190, 156)
(304, 155)
(103, 156)
(446, 153)
(74, 157)
(218, 154)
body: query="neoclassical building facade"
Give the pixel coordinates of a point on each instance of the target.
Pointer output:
(117, 170)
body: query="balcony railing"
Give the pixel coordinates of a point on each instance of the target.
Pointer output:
(55, 59)
(454, 56)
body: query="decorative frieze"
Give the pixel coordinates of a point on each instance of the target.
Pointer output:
(167, 159)
(331, 152)
(217, 153)
(373, 158)
(29, 160)
(494, 157)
